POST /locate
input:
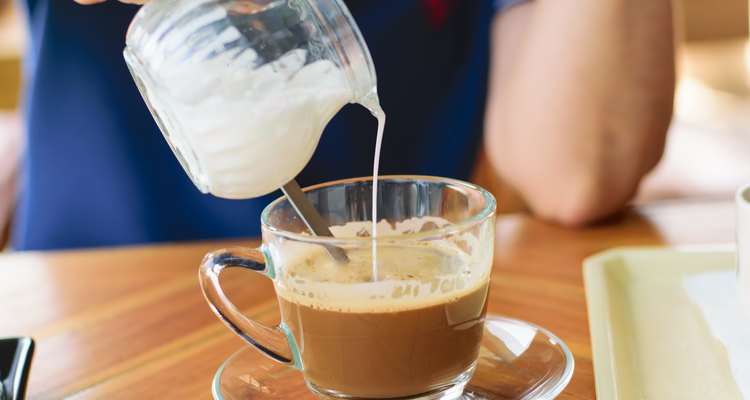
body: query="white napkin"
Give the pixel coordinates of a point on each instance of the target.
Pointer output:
(716, 294)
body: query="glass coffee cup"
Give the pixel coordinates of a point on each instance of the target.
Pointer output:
(413, 328)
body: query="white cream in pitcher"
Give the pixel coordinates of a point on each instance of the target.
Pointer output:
(235, 134)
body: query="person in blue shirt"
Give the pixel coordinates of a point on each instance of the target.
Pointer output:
(571, 99)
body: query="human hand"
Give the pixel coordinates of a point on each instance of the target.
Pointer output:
(87, 2)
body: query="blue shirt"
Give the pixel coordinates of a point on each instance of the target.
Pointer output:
(99, 173)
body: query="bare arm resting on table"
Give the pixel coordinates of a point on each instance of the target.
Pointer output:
(579, 102)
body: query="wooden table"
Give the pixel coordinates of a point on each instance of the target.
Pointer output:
(131, 322)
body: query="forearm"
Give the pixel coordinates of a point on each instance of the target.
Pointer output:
(11, 147)
(580, 113)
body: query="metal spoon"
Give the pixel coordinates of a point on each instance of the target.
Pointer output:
(312, 219)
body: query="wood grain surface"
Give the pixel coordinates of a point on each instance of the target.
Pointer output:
(131, 323)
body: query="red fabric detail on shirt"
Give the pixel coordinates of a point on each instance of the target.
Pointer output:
(438, 11)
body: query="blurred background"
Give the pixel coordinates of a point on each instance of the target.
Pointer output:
(708, 149)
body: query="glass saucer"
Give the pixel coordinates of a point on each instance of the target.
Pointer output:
(518, 360)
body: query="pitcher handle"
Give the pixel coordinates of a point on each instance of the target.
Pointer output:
(276, 342)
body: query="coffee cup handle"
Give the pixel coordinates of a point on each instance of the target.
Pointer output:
(274, 341)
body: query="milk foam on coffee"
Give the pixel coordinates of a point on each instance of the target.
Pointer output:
(411, 275)
(251, 129)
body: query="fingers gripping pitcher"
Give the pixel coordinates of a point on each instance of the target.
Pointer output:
(242, 89)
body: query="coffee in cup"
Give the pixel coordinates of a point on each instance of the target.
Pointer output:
(418, 337)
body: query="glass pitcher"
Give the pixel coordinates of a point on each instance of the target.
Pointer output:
(242, 89)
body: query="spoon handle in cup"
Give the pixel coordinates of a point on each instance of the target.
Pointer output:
(312, 219)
